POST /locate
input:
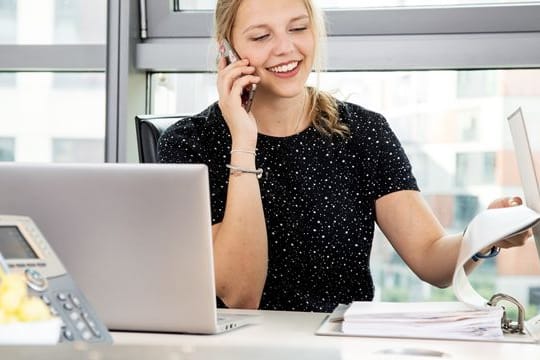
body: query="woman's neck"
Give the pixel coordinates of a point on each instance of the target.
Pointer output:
(279, 116)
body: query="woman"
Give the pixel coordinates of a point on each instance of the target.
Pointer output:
(299, 237)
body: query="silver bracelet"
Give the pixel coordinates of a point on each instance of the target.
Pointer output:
(236, 170)
(252, 152)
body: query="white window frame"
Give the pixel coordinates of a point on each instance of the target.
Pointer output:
(449, 37)
(52, 57)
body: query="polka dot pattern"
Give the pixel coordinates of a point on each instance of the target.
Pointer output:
(318, 195)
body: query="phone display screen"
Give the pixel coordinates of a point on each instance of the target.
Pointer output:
(13, 245)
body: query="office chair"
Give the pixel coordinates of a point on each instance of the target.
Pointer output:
(149, 128)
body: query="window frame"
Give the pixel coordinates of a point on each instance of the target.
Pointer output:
(51, 58)
(162, 22)
(484, 36)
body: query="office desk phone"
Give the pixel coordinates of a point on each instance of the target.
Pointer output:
(26, 250)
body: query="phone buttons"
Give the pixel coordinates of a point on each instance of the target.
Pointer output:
(68, 334)
(35, 280)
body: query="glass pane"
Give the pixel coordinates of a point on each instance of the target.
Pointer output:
(53, 21)
(8, 24)
(180, 5)
(7, 149)
(453, 127)
(48, 115)
(78, 150)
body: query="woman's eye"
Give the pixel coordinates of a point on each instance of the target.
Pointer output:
(261, 37)
(299, 28)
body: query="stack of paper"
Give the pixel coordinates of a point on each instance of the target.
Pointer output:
(448, 320)
(472, 318)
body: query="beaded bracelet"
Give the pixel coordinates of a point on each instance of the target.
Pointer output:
(236, 170)
(494, 251)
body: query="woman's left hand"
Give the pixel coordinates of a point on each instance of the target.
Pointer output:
(518, 239)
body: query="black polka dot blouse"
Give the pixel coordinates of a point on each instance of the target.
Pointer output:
(318, 195)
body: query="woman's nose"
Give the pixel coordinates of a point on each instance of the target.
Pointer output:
(283, 44)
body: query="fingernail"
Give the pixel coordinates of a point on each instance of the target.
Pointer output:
(513, 202)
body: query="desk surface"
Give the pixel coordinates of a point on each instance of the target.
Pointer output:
(293, 330)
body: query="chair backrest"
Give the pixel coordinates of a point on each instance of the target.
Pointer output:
(149, 128)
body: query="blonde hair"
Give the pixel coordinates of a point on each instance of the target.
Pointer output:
(323, 107)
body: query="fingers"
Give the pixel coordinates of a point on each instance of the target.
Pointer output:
(231, 81)
(229, 73)
(505, 202)
(232, 76)
(241, 83)
(221, 63)
(516, 240)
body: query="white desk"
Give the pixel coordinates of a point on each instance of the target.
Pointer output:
(294, 330)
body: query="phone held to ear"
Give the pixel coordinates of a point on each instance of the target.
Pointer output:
(227, 51)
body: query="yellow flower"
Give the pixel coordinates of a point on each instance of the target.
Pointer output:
(33, 309)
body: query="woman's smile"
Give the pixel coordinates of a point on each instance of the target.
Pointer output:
(285, 70)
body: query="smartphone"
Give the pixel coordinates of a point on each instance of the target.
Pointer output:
(230, 55)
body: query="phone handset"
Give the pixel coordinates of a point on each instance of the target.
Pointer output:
(230, 55)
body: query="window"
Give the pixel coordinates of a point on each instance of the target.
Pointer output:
(78, 150)
(7, 80)
(52, 83)
(53, 22)
(479, 83)
(438, 128)
(7, 149)
(468, 126)
(475, 168)
(80, 21)
(453, 142)
(8, 11)
(35, 111)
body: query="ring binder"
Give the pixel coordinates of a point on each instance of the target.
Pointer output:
(507, 325)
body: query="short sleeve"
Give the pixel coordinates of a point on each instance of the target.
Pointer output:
(393, 171)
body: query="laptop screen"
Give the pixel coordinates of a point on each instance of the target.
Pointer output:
(136, 238)
(525, 147)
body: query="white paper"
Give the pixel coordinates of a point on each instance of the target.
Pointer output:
(31, 333)
(448, 320)
(485, 229)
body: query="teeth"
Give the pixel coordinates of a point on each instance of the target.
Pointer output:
(284, 68)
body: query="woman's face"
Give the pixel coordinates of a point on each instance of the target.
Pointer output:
(278, 39)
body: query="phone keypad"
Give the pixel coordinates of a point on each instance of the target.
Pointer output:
(80, 321)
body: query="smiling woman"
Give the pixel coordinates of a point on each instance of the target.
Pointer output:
(299, 237)
(283, 50)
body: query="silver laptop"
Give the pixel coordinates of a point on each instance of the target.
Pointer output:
(136, 238)
(527, 171)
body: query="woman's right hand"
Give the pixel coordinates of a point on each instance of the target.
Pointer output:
(231, 80)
